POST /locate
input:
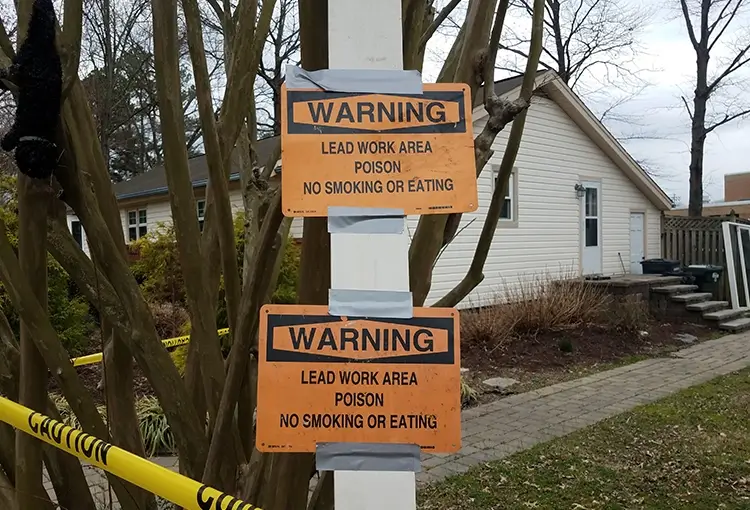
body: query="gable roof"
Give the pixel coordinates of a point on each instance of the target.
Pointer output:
(558, 91)
(503, 86)
(154, 181)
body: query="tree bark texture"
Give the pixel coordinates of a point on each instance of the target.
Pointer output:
(34, 197)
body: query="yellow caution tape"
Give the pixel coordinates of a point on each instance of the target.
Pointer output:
(179, 489)
(90, 359)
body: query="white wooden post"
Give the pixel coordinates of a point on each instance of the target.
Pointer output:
(366, 34)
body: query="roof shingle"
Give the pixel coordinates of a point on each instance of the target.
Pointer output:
(154, 181)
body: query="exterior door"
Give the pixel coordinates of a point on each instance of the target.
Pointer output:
(637, 250)
(591, 228)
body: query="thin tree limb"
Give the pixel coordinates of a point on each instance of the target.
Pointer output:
(182, 200)
(214, 157)
(727, 118)
(444, 13)
(689, 24)
(475, 274)
(72, 31)
(246, 56)
(687, 107)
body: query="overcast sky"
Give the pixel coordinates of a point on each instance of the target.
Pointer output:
(668, 56)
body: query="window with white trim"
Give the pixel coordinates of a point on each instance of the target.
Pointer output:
(201, 206)
(77, 231)
(509, 210)
(137, 224)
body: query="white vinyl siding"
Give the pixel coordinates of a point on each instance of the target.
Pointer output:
(75, 226)
(161, 212)
(555, 154)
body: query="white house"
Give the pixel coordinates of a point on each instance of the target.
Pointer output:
(577, 200)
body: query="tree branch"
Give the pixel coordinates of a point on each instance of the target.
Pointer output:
(727, 119)
(444, 13)
(182, 200)
(246, 55)
(737, 62)
(687, 107)
(475, 274)
(73, 29)
(53, 353)
(254, 294)
(689, 24)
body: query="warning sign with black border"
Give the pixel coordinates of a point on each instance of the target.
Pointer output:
(406, 151)
(323, 378)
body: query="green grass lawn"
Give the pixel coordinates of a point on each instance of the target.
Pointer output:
(688, 451)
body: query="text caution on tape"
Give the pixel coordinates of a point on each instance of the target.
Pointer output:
(178, 489)
(346, 379)
(410, 152)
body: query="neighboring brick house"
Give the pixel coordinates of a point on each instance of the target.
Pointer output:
(736, 199)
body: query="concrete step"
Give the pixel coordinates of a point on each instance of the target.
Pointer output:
(736, 325)
(692, 297)
(726, 315)
(675, 289)
(707, 306)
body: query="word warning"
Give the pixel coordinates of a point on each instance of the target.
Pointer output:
(323, 379)
(410, 152)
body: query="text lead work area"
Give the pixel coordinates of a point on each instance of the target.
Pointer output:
(398, 151)
(345, 379)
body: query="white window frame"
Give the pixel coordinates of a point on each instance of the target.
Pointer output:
(138, 224)
(511, 197)
(80, 231)
(201, 217)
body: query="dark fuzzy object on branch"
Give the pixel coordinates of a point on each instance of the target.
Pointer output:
(37, 71)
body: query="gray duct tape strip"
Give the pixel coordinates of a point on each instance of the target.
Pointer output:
(365, 220)
(367, 457)
(396, 304)
(376, 81)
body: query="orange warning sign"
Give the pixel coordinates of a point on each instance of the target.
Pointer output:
(413, 151)
(323, 378)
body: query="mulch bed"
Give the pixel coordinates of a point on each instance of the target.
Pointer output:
(91, 375)
(524, 357)
(590, 344)
(538, 360)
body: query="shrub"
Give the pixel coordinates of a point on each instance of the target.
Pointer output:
(532, 307)
(157, 436)
(469, 395)
(286, 285)
(158, 272)
(169, 319)
(152, 423)
(179, 358)
(288, 280)
(69, 312)
(157, 268)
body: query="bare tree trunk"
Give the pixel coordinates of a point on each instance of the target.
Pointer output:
(467, 60)
(698, 132)
(315, 263)
(33, 202)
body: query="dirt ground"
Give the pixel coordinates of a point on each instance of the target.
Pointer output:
(535, 361)
(549, 358)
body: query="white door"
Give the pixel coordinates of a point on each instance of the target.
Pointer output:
(591, 228)
(637, 250)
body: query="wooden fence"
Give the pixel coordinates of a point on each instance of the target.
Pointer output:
(697, 241)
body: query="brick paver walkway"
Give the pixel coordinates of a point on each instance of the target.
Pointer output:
(502, 428)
